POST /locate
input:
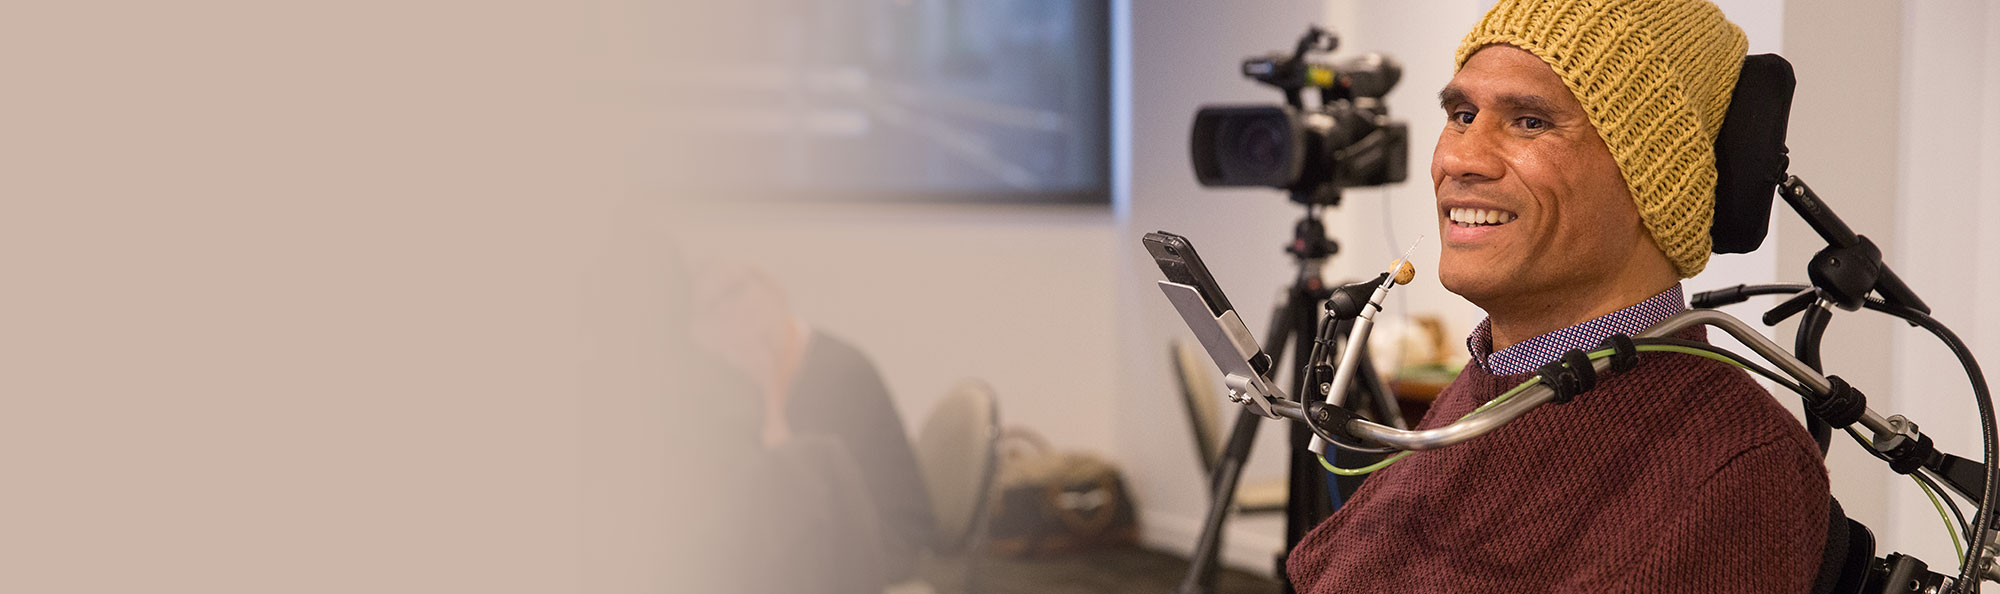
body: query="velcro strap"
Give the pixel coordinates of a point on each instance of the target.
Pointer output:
(1569, 375)
(1841, 406)
(1624, 354)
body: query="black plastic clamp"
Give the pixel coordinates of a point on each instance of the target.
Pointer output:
(1841, 406)
(1569, 375)
(1329, 421)
(1624, 354)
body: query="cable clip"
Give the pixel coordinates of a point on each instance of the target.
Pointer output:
(1569, 375)
(1840, 406)
(1624, 354)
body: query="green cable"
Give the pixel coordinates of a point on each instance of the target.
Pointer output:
(1950, 528)
(1323, 462)
(1593, 355)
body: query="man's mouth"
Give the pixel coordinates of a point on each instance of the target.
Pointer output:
(1479, 217)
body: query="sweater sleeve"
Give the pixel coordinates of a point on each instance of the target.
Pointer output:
(1757, 525)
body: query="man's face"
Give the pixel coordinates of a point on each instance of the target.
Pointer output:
(1530, 202)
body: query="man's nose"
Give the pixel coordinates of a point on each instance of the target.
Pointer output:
(1470, 155)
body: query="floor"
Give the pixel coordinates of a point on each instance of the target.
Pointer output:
(1115, 571)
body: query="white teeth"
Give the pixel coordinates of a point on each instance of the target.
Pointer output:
(1479, 216)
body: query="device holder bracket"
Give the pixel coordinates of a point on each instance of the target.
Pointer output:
(1231, 345)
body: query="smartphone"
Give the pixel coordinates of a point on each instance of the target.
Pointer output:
(1178, 260)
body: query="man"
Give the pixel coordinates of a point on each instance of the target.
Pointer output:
(1575, 188)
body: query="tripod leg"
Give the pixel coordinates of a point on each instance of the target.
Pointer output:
(1203, 567)
(1307, 500)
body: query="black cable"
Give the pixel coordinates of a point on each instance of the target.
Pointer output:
(1322, 355)
(1767, 373)
(1348, 446)
(1321, 339)
(1964, 528)
(1980, 519)
(1812, 328)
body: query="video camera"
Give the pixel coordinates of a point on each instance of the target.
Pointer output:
(1348, 140)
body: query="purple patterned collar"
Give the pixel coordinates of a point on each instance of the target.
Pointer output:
(1529, 355)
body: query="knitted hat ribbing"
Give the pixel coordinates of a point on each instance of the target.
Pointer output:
(1655, 78)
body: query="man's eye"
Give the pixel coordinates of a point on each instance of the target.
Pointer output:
(1462, 118)
(1533, 123)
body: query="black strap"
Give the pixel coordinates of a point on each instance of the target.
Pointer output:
(1624, 354)
(1558, 377)
(1569, 375)
(1576, 359)
(1842, 405)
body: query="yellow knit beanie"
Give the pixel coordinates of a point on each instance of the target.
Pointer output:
(1655, 77)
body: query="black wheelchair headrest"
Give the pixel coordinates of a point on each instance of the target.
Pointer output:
(1750, 155)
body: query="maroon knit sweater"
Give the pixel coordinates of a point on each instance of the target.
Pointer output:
(1681, 475)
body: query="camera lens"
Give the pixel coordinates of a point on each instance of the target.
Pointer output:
(1255, 147)
(1247, 145)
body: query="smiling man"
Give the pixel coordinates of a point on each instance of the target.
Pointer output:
(1575, 182)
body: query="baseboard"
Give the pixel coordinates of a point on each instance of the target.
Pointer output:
(1249, 543)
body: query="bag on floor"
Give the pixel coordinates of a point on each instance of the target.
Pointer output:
(1047, 502)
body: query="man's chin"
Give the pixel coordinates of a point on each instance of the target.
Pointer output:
(1477, 285)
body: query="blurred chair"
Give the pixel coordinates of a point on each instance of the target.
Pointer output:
(956, 453)
(1202, 391)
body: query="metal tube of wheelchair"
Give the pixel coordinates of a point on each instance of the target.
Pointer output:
(1289, 409)
(1479, 423)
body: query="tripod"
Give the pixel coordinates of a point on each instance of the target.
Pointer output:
(1293, 321)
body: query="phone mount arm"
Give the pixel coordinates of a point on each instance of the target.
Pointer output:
(1232, 347)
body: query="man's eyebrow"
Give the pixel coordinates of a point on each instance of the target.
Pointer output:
(1534, 103)
(1512, 101)
(1450, 96)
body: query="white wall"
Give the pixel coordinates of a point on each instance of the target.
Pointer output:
(1949, 141)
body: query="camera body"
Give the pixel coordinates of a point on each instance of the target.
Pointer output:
(1312, 153)
(1348, 140)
